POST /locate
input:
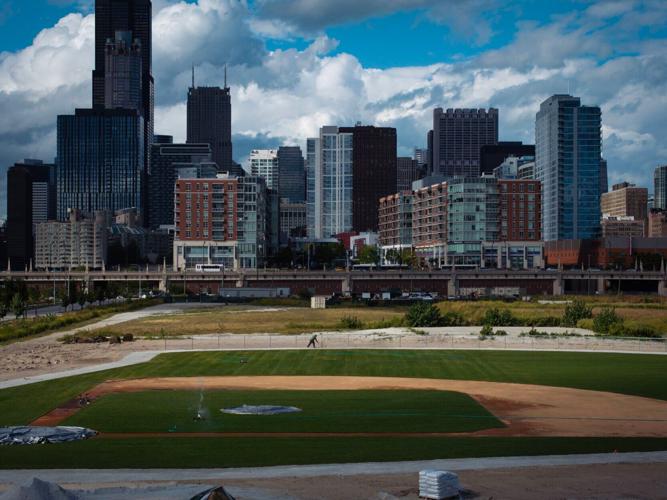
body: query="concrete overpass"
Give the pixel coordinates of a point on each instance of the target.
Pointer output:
(444, 282)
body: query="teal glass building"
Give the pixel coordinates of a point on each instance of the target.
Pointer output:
(568, 163)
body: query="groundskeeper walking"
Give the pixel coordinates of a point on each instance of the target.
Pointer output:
(313, 341)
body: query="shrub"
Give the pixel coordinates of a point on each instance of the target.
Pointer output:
(586, 324)
(607, 322)
(486, 331)
(545, 321)
(576, 311)
(128, 337)
(499, 317)
(350, 323)
(423, 314)
(452, 318)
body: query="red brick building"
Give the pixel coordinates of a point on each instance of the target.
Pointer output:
(520, 205)
(206, 209)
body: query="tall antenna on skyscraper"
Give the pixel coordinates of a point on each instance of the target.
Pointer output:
(225, 75)
(193, 75)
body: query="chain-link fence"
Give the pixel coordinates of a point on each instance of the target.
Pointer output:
(413, 341)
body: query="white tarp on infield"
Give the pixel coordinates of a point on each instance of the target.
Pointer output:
(40, 435)
(260, 410)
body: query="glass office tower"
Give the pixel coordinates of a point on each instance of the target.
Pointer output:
(568, 147)
(100, 164)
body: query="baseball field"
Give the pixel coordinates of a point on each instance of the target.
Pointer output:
(354, 406)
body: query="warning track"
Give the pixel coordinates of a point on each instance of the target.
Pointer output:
(526, 410)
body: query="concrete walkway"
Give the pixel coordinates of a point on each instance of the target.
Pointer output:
(89, 476)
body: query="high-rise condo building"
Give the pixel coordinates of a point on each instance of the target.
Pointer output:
(291, 174)
(31, 199)
(349, 170)
(264, 163)
(458, 136)
(373, 172)
(330, 170)
(100, 162)
(209, 120)
(567, 162)
(127, 24)
(660, 187)
(313, 195)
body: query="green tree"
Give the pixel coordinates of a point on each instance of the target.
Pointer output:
(65, 302)
(82, 298)
(368, 254)
(408, 257)
(607, 322)
(393, 256)
(423, 314)
(498, 317)
(576, 311)
(18, 305)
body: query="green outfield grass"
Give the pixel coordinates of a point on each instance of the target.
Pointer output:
(186, 452)
(322, 411)
(643, 375)
(640, 375)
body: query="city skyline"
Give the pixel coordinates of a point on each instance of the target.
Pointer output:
(285, 85)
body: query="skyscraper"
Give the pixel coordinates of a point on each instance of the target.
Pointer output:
(373, 172)
(604, 179)
(122, 79)
(134, 18)
(264, 163)
(210, 121)
(458, 135)
(312, 194)
(291, 174)
(568, 144)
(660, 187)
(407, 171)
(349, 170)
(31, 199)
(330, 170)
(101, 159)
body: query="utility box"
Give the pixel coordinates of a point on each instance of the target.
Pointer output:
(319, 302)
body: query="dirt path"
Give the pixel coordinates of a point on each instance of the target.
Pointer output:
(527, 410)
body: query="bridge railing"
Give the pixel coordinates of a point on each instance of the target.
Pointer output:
(413, 341)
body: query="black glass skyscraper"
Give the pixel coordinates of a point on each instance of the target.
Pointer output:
(31, 199)
(291, 174)
(210, 121)
(133, 16)
(100, 163)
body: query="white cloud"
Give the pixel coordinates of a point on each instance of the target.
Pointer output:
(284, 96)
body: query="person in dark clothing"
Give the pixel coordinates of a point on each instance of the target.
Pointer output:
(313, 342)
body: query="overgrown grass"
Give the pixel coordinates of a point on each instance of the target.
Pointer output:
(22, 328)
(240, 319)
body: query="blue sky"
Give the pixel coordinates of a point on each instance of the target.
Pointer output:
(296, 65)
